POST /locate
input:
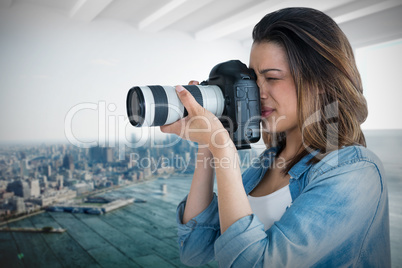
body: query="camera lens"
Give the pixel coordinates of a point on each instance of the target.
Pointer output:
(160, 105)
(135, 106)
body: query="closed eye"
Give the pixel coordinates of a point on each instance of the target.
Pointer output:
(271, 78)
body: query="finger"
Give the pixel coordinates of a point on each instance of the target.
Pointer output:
(174, 128)
(193, 82)
(188, 100)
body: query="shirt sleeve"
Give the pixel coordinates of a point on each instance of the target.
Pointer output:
(336, 208)
(197, 237)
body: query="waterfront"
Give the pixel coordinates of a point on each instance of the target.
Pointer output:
(137, 235)
(144, 234)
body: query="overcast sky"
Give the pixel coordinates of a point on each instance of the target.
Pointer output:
(54, 70)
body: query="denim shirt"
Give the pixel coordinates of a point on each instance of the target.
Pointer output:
(338, 218)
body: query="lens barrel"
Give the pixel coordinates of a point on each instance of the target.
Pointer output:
(159, 105)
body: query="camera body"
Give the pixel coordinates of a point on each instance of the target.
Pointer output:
(242, 110)
(231, 93)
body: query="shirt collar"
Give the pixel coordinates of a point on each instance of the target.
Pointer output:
(297, 170)
(300, 167)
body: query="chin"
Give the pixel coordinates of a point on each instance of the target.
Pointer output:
(271, 128)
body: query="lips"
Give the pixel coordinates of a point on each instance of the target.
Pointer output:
(266, 111)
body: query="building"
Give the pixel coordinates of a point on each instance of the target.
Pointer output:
(35, 188)
(54, 196)
(101, 154)
(19, 188)
(24, 168)
(44, 182)
(68, 162)
(117, 180)
(82, 188)
(6, 195)
(48, 170)
(17, 204)
(60, 181)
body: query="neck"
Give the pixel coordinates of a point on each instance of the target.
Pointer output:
(293, 144)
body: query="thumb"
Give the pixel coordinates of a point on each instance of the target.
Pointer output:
(188, 100)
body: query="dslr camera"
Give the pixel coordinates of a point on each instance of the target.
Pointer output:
(230, 93)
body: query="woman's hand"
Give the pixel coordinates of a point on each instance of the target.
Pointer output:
(200, 125)
(205, 128)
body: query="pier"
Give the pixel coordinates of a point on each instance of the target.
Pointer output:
(33, 230)
(91, 209)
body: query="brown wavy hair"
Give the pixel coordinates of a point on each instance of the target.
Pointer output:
(329, 90)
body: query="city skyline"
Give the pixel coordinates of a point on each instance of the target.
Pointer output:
(76, 171)
(32, 178)
(37, 176)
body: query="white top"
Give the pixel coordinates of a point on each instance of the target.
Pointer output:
(270, 208)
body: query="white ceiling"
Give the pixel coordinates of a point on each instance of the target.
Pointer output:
(364, 21)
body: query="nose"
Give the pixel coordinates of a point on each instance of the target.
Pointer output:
(263, 92)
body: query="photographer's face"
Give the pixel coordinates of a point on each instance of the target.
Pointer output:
(277, 88)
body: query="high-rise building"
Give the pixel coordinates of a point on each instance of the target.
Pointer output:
(68, 162)
(60, 181)
(44, 181)
(101, 154)
(18, 204)
(35, 189)
(109, 155)
(48, 170)
(24, 168)
(19, 188)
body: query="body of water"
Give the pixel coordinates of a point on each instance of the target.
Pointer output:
(144, 234)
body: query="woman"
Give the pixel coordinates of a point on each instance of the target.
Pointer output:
(317, 196)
